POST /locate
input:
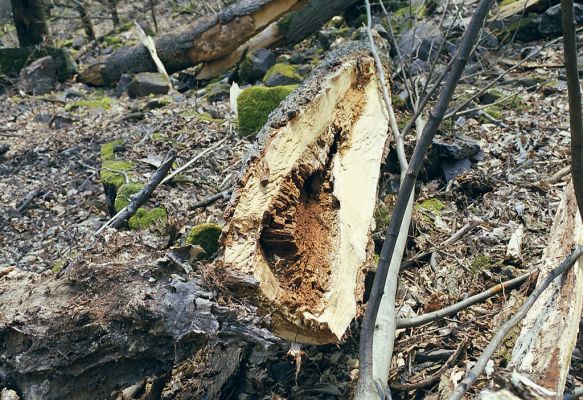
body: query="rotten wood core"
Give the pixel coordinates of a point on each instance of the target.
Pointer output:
(298, 232)
(545, 345)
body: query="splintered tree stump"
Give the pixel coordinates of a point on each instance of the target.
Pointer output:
(549, 331)
(298, 240)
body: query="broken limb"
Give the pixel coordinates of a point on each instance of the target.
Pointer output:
(365, 381)
(211, 199)
(545, 345)
(119, 219)
(297, 242)
(478, 368)
(462, 305)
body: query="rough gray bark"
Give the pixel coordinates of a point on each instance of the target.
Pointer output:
(30, 22)
(102, 324)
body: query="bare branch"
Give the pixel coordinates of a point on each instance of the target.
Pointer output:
(472, 376)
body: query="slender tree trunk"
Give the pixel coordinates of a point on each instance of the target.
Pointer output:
(30, 22)
(81, 8)
(114, 14)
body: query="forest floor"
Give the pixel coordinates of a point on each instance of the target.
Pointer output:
(52, 202)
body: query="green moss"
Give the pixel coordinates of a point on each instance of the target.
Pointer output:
(160, 137)
(254, 105)
(432, 205)
(480, 262)
(208, 118)
(446, 125)
(113, 41)
(284, 25)
(57, 266)
(382, 216)
(107, 150)
(143, 218)
(124, 194)
(282, 69)
(112, 172)
(102, 102)
(205, 236)
(494, 111)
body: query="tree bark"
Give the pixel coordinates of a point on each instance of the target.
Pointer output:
(549, 332)
(218, 41)
(102, 324)
(298, 240)
(30, 22)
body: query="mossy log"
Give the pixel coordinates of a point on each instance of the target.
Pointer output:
(297, 239)
(219, 40)
(548, 337)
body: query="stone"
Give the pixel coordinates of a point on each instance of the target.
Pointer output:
(78, 42)
(146, 83)
(218, 91)
(122, 85)
(550, 23)
(255, 65)
(457, 149)
(39, 77)
(422, 41)
(7, 394)
(281, 75)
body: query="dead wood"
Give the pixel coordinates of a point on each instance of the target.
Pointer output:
(140, 198)
(218, 41)
(544, 347)
(116, 315)
(298, 239)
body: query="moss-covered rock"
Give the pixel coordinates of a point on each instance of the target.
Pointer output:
(281, 74)
(432, 205)
(218, 91)
(494, 111)
(205, 236)
(114, 172)
(108, 150)
(103, 102)
(523, 30)
(254, 105)
(206, 117)
(143, 218)
(124, 194)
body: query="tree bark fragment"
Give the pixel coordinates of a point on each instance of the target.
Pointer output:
(297, 240)
(544, 347)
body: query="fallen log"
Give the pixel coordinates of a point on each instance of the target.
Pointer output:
(220, 39)
(549, 331)
(116, 315)
(297, 241)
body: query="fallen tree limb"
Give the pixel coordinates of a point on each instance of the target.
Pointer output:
(423, 319)
(478, 368)
(366, 387)
(297, 240)
(544, 347)
(211, 199)
(116, 315)
(218, 41)
(119, 219)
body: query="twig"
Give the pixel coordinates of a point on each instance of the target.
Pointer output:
(419, 320)
(560, 174)
(368, 326)
(211, 199)
(435, 376)
(31, 196)
(140, 198)
(574, 91)
(478, 368)
(188, 164)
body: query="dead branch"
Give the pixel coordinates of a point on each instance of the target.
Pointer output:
(194, 159)
(470, 37)
(119, 219)
(462, 305)
(472, 376)
(211, 199)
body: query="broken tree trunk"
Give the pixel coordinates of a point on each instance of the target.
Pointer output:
(220, 40)
(118, 314)
(297, 241)
(549, 332)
